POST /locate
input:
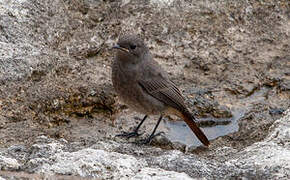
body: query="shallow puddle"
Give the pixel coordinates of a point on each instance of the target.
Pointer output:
(180, 132)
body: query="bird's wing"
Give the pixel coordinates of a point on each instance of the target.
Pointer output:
(168, 93)
(165, 91)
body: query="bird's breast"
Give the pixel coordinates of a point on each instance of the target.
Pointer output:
(125, 82)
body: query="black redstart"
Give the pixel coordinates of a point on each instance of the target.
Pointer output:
(144, 86)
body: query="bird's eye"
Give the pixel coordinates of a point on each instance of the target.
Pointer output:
(132, 46)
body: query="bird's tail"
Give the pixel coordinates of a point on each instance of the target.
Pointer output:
(189, 119)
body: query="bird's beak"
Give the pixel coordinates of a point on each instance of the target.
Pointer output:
(121, 48)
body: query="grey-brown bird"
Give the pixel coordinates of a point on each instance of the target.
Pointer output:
(145, 87)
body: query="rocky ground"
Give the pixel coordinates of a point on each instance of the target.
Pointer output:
(59, 113)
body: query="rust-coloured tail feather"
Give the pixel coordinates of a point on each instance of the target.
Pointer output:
(189, 119)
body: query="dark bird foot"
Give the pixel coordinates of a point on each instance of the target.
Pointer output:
(129, 135)
(149, 139)
(135, 133)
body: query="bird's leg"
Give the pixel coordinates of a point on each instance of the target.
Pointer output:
(135, 132)
(149, 139)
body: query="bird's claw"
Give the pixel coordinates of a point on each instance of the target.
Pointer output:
(149, 139)
(129, 135)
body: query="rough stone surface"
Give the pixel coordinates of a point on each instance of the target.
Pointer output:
(7, 163)
(271, 157)
(268, 159)
(159, 174)
(57, 104)
(93, 163)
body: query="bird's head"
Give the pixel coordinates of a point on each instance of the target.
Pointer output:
(131, 47)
